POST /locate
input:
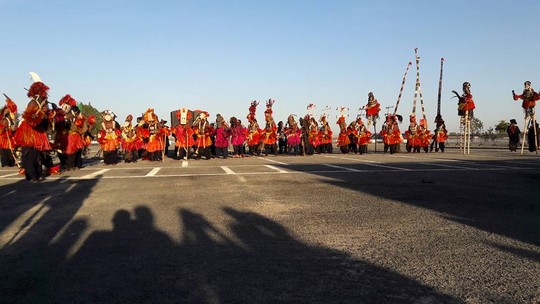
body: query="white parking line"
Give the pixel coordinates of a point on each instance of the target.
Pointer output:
(370, 163)
(184, 163)
(274, 161)
(447, 166)
(153, 171)
(8, 175)
(6, 194)
(92, 175)
(276, 168)
(342, 168)
(227, 170)
(23, 223)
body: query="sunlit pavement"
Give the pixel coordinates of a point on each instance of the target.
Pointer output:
(408, 227)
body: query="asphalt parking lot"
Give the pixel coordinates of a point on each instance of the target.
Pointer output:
(332, 228)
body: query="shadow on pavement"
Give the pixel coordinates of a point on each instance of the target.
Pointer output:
(506, 202)
(256, 260)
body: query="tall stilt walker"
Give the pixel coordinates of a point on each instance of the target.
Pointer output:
(440, 136)
(466, 108)
(529, 97)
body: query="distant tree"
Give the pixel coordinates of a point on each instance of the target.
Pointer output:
(477, 126)
(88, 110)
(501, 127)
(490, 135)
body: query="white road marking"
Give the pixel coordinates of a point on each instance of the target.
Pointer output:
(227, 170)
(153, 171)
(6, 194)
(276, 168)
(274, 161)
(23, 223)
(94, 174)
(8, 175)
(184, 163)
(447, 166)
(70, 188)
(342, 168)
(370, 163)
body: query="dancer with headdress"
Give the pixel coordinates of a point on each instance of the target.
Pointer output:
(513, 132)
(222, 134)
(466, 108)
(254, 132)
(238, 137)
(270, 130)
(391, 133)
(352, 133)
(202, 131)
(184, 132)
(372, 108)
(7, 128)
(529, 97)
(109, 138)
(325, 134)
(31, 135)
(343, 140)
(293, 135)
(131, 143)
(69, 135)
(364, 135)
(155, 142)
(441, 135)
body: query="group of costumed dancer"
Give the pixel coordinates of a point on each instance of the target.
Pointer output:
(27, 141)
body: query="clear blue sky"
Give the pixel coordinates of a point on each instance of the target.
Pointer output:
(217, 56)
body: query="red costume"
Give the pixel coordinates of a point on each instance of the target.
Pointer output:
(373, 107)
(184, 132)
(529, 96)
(343, 140)
(109, 138)
(7, 129)
(31, 135)
(203, 130)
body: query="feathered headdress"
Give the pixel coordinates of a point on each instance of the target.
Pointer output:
(67, 103)
(10, 108)
(150, 116)
(38, 89)
(252, 109)
(268, 112)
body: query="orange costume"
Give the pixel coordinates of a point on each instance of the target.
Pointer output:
(109, 138)
(7, 128)
(343, 140)
(203, 130)
(31, 135)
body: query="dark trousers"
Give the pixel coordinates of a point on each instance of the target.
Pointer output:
(30, 161)
(204, 152)
(7, 158)
(363, 149)
(222, 151)
(131, 156)
(272, 148)
(110, 157)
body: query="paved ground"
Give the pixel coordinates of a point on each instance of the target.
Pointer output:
(403, 228)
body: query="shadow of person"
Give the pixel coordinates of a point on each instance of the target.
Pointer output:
(40, 214)
(276, 267)
(130, 264)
